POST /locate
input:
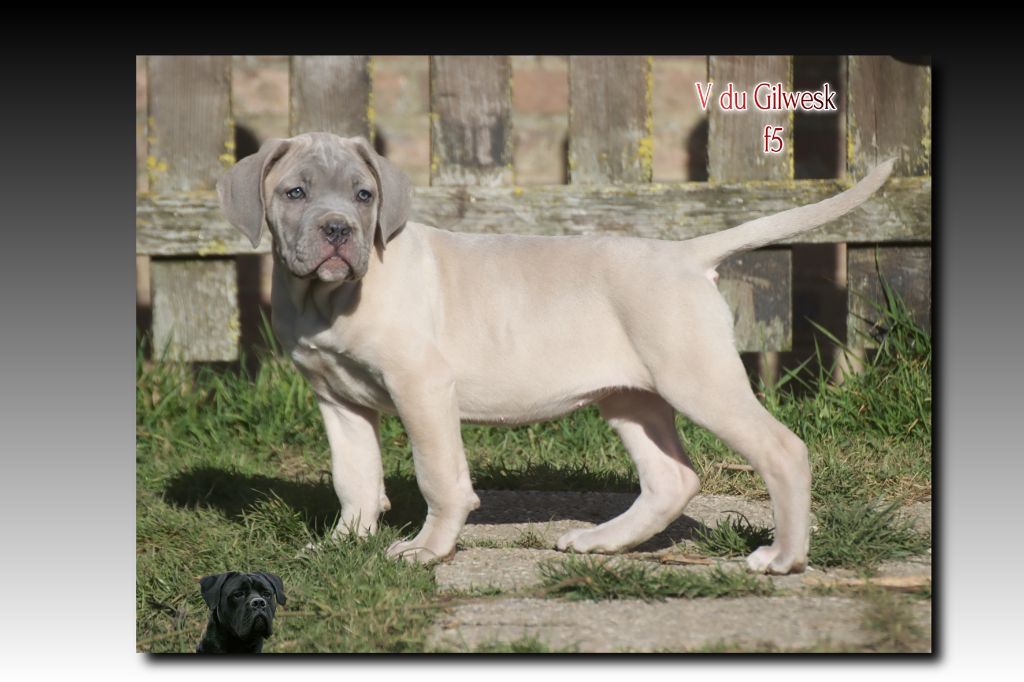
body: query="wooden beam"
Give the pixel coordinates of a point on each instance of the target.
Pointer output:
(191, 223)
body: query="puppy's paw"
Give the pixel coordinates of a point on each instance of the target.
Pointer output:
(415, 551)
(770, 559)
(585, 540)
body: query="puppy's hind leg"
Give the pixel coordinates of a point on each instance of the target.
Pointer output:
(713, 390)
(646, 425)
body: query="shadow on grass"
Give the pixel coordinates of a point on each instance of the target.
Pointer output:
(233, 494)
(516, 499)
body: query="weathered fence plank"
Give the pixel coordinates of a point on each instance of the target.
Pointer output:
(611, 137)
(757, 286)
(192, 297)
(190, 137)
(907, 270)
(192, 222)
(470, 121)
(888, 114)
(330, 94)
(735, 138)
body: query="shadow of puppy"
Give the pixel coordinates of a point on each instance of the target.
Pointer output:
(242, 609)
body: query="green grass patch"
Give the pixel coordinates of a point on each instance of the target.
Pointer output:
(849, 533)
(344, 597)
(530, 539)
(599, 578)
(733, 537)
(861, 534)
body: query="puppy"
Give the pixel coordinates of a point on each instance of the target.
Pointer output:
(242, 609)
(386, 315)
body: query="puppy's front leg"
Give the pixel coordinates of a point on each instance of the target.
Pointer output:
(356, 467)
(427, 404)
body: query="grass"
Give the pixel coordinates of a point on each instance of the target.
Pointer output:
(233, 473)
(861, 534)
(600, 578)
(849, 533)
(734, 537)
(345, 597)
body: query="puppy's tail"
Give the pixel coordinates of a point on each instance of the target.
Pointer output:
(712, 249)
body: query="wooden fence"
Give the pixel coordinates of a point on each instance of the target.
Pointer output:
(190, 137)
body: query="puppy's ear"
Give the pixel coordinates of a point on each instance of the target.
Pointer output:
(276, 583)
(211, 586)
(395, 191)
(241, 189)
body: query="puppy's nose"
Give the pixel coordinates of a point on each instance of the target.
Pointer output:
(258, 603)
(335, 232)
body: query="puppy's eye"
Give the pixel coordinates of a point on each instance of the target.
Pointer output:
(295, 193)
(364, 195)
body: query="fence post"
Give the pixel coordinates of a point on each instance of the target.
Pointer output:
(470, 121)
(756, 284)
(888, 114)
(330, 94)
(190, 136)
(611, 137)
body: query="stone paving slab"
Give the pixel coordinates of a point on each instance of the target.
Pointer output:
(513, 532)
(675, 625)
(518, 569)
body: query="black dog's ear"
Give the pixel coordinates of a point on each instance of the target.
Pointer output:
(241, 189)
(211, 586)
(276, 583)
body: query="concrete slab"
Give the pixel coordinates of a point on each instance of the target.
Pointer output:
(675, 625)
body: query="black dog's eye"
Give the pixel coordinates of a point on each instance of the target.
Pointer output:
(364, 195)
(238, 595)
(295, 193)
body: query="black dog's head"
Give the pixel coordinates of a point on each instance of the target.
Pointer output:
(242, 609)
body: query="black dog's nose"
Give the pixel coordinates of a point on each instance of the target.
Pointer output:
(258, 603)
(335, 232)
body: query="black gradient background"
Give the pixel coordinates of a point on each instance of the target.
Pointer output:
(67, 571)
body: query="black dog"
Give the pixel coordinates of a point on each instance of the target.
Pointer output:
(241, 611)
